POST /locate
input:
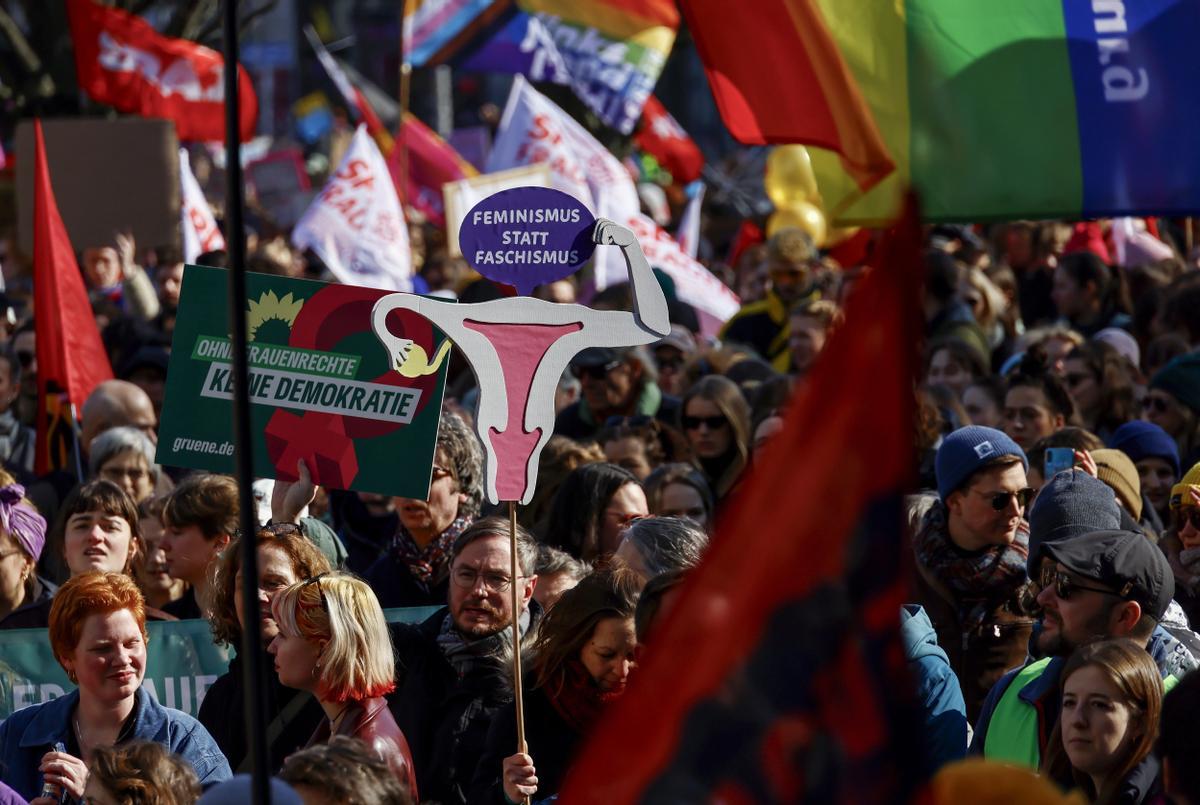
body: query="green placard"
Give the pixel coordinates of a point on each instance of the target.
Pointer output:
(321, 387)
(181, 663)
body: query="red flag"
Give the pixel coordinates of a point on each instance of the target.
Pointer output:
(778, 77)
(431, 163)
(773, 677)
(122, 61)
(71, 358)
(663, 138)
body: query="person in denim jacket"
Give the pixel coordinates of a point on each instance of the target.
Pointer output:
(98, 635)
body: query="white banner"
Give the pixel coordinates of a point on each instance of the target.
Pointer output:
(356, 225)
(200, 232)
(535, 130)
(464, 194)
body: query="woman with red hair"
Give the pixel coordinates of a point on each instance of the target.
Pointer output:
(333, 641)
(98, 635)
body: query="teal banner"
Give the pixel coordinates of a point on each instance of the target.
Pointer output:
(181, 663)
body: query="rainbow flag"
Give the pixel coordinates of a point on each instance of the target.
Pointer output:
(1022, 108)
(610, 52)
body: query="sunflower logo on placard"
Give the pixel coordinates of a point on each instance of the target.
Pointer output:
(270, 309)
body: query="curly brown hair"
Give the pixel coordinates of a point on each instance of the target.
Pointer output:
(144, 773)
(307, 561)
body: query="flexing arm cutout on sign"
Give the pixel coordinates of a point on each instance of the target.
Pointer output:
(518, 349)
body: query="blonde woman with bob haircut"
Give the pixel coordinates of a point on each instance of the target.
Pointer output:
(333, 642)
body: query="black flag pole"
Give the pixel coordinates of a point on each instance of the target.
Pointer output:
(235, 238)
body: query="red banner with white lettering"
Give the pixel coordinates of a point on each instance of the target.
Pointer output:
(122, 61)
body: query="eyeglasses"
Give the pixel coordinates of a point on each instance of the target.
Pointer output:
(1158, 404)
(1074, 379)
(712, 422)
(1065, 586)
(1188, 514)
(468, 577)
(25, 358)
(320, 590)
(594, 372)
(669, 364)
(1000, 500)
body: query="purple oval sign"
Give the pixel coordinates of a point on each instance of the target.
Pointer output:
(527, 236)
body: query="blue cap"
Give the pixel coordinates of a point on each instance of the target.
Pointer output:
(1138, 440)
(965, 451)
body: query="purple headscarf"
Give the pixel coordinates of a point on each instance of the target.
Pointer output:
(27, 527)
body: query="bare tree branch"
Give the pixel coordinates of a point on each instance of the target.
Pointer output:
(25, 53)
(214, 27)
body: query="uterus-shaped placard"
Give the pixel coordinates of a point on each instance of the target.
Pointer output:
(518, 348)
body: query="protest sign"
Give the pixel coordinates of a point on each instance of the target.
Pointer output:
(182, 662)
(527, 236)
(464, 194)
(534, 130)
(356, 224)
(320, 387)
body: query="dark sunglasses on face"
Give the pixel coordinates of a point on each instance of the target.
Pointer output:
(1156, 403)
(1065, 586)
(594, 372)
(1000, 500)
(25, 358)
(694, 422)
(1188, 514)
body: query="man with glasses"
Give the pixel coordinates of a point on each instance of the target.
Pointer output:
(1105, 584)
(971, 551)
(454, 670)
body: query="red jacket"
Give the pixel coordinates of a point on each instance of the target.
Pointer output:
(370, 721)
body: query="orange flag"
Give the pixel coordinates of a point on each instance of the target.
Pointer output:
(71, 358)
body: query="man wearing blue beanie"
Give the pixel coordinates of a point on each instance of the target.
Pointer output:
(971, 548)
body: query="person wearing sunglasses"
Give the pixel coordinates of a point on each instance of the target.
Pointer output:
(715, 418)
(455, 667)
(971, 546)
(333, 642)
(1100, 585)
(1172, 402)
(614, 382)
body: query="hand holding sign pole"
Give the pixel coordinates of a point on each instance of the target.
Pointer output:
(519, 347)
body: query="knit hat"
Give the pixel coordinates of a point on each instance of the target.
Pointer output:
(1071, 503)
(1115, 469)
(1181, 378)
(1138, 440)
(1179, 492)
(966, 450)
(1124, 343)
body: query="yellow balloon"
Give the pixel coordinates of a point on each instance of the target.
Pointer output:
(839, 234)
(802, 215)
(790, 177)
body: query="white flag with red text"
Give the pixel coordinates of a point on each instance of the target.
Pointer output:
(200, 232)
(356, 225)
(535, 130)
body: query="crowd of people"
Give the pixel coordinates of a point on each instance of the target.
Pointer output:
(1055, 542)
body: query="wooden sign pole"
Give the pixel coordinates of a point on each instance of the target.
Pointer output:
(516, 625)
